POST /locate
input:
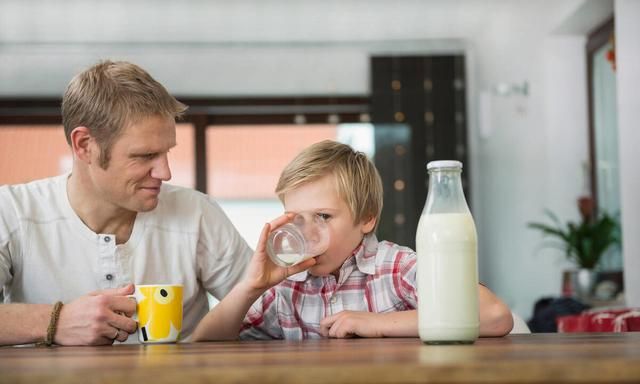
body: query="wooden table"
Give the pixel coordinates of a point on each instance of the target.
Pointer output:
(606, 358)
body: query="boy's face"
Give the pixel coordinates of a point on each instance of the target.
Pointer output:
(321, 198)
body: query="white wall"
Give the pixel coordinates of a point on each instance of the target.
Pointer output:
(531, 161)
(528, 157)
(221, 47)
(628, 72)
(531, 155)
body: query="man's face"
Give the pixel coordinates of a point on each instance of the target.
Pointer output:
(137, 167)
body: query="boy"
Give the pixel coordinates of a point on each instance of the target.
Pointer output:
(358, 287)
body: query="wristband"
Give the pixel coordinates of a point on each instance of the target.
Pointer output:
(53, 324)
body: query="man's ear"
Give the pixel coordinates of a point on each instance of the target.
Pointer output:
(368, 225)
(82, 144)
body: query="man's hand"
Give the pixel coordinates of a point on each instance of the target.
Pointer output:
(98, 318)
(350, 323)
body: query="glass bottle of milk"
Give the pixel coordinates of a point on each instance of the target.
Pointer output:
(446, 245)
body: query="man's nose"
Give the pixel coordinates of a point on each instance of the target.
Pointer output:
(161, 168)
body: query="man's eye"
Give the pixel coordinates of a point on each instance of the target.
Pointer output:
(148, 156)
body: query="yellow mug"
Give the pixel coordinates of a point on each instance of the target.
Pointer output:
(158, 312)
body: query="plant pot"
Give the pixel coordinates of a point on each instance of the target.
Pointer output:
(579, 283)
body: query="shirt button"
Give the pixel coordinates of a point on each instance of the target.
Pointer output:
(334, 299)
(109, 276)
(107, 239)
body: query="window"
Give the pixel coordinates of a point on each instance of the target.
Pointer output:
(244, 163)
(603, 130)
(182, 157)
(30, 152)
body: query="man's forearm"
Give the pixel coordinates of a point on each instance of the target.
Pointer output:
(24, 323)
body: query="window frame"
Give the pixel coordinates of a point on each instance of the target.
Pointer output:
(596, 40)
(207, 113)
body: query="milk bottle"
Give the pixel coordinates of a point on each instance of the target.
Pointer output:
(446, 245)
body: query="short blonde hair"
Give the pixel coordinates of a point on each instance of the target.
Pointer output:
(357, 180)
(108, 97)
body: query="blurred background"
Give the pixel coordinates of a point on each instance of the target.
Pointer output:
(537, 98)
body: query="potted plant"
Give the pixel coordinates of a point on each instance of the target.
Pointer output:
(583, 242)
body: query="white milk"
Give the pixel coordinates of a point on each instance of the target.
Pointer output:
(290, 258)
(446, 245)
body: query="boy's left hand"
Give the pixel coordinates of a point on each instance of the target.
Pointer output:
(350, 324)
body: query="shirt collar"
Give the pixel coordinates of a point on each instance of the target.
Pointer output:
(364, 254)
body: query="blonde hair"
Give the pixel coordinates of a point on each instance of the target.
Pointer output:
(357, 180)
(108, 97)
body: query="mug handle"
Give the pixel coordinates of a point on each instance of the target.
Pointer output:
(142, 332)
(135, 314)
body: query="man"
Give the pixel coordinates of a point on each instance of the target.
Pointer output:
(85, 237)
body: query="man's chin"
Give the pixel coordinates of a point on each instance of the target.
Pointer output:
(148, 205)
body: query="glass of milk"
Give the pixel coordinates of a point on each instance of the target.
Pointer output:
(306, 236)
(447, 276)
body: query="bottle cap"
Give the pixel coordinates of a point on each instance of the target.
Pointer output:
(444, 164)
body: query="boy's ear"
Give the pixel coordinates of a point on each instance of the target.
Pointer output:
(368, 225)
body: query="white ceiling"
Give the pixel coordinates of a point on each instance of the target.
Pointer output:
(264, 21)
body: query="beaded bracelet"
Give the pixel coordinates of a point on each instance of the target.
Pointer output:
(53, 323)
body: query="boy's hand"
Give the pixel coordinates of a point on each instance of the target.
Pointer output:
(262, 273)
(350, 323)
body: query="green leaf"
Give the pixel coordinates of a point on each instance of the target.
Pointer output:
(584, 243)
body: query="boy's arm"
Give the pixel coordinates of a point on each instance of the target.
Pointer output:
(384, 324)
(495, 320)
(223, 322)
(370, 324)
(495, 315)
(225, 319)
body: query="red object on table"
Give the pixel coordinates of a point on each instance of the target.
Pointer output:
(619, 320)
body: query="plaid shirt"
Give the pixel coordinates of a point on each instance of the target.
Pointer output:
(378, 277)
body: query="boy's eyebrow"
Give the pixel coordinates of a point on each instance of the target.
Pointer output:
(313, 210)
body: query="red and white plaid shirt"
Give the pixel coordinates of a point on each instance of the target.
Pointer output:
(379, 277)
